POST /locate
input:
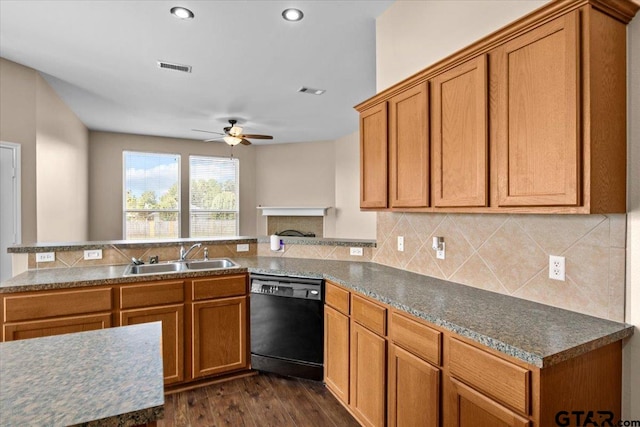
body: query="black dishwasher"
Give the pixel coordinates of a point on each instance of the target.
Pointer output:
(287, 325)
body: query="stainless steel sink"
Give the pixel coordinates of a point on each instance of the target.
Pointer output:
(211, 264)
(180, 266)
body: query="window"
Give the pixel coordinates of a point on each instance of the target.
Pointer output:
(151, 195)
(213, 195)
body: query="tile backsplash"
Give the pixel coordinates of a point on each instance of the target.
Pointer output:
(509, 254)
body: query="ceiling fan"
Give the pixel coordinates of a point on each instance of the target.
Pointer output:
(233, 135)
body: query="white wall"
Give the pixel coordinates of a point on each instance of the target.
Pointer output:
(631, 377)
(412, 35)
(298, 174)
(63, 176)
(350, 221)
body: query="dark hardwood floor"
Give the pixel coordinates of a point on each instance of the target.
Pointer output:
(257, 401)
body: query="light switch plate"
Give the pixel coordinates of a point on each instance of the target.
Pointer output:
(93, 254)
(243, 247)
(355, 251)
(45, 257)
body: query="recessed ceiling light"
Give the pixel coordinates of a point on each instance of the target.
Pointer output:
(292, 14)
(181, 12)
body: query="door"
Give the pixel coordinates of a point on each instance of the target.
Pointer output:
(368, 373)
(537, 120)
(172, 318)
(336, 353)
(9, 204)
(460, 135)
(414, 390)
(373, 157)
(409, 148)
(219, 341)
(469, 408)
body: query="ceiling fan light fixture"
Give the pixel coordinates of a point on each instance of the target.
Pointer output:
(232, 140)
(292, 15)
(235, 130)
(181, 12)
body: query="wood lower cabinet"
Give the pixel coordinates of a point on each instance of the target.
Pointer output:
(368, 376)
(219, 340)
(172, 318)
(336, 353)
(373, 157)
(469, 408)
(65, 325)
(414, 390)
(460, 136)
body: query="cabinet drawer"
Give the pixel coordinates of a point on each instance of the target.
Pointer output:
(421, 340)
(369, 314)
(224, 286)
(52, 304)
(497, 378)
(151, 294)
(337, 298)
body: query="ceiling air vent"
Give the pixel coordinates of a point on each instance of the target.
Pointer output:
(176, 67)
(311, 91)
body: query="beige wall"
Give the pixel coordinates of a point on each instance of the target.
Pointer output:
(350, 221)
(411, 35)
(298, 174)
(631, 377)
(62, 158)
(54, 156)
(105, 181)
(18, 124)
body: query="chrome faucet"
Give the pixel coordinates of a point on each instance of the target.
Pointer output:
(184, 253)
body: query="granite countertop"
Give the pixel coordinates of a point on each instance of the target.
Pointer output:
(534, 333)
(109, 377)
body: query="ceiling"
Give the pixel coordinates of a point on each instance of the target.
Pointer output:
(248, 63)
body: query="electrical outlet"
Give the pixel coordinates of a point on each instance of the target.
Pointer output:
(93, 254)
(401, 243)
(45, 257)
(556, 267)
(243, 247)
(440, 252)
(355, 251)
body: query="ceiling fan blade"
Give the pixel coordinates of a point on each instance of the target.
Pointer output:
(258, 136)
(213, 139)
(245, 142)
(206, 131)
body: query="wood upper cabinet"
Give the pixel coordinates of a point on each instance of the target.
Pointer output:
(336, 353)
(409, 148)
(460, 135)
(538, 137)
(414, 390)
(368, 376)
(219, 337)
(373, 157)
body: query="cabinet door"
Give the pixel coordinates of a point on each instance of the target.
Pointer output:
(373, 157)
(219, 341)
(336, 353)
(414, 390)
(368, 373)
(538, 109)
(460, 133)
(409, 148)
(172, 318)
(47, 328)
(469, 408)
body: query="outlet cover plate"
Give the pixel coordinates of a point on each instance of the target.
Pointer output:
(401, 243)
(93, 254)
(355, 251)
(242, 247)
(556, 267)
(45, 257)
